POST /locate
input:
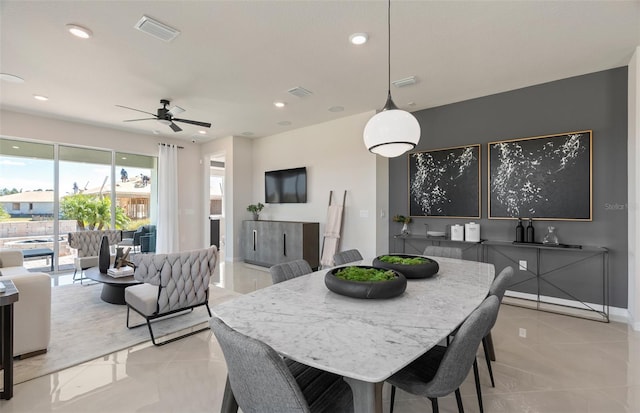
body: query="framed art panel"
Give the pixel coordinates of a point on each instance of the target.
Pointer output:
(445, 182)
(543, 177)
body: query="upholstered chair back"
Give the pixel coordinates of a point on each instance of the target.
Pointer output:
(88, 242)
(183, 277)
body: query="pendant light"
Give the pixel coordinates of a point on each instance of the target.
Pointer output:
(392, 131)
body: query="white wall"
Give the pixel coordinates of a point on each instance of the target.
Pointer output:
(31, 127)
(634, 193)
(336, 160)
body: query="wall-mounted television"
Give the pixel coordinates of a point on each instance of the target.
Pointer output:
(285, 186)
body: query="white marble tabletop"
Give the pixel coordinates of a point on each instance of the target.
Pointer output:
(361, 339)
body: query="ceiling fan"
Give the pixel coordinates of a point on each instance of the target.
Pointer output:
(166, 116)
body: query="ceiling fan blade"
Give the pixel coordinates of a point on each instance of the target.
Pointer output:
(137, 110)
(175, 127)
(176, 110)
(193, 122)
(135, 120)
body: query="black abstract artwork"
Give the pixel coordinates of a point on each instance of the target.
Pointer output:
(445, 182)
(546, 177)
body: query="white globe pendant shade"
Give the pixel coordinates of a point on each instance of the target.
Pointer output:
(391, 133)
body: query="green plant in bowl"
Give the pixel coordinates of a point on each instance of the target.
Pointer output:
(365, 274)
(396, 259)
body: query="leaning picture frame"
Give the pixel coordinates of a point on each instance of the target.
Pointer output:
(542, 177)
(445, 182)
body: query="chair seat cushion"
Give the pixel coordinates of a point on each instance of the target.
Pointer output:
(13, 270)
(325, 392)
(415, 377)
(142, 297)
(82, 263)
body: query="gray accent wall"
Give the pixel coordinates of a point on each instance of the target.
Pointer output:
(597, 102)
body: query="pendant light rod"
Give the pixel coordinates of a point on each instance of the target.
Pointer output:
(389, 49)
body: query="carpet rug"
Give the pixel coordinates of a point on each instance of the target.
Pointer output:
(83, 327)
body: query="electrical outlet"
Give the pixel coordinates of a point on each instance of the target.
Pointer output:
(522, 265)
(522, 332)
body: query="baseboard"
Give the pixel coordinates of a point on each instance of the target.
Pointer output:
(616, 314)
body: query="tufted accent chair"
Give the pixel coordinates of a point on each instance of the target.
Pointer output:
(88, 245)
(171, 283)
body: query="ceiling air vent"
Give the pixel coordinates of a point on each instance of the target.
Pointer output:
(299, 91)
(156, 29)
(411, 80)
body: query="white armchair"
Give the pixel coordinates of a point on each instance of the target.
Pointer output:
(32, 312)
(172, 283)
(88, 245)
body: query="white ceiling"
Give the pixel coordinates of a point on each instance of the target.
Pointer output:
(233, 59)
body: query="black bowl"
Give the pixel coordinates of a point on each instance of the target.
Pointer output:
(365, 289)
(410, 271)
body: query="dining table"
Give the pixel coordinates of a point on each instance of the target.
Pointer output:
(363, 340)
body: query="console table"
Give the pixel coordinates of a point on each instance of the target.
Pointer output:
(598, 312)
(416, 244)
(7, 298)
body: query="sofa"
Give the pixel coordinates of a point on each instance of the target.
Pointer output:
(88, 245)
(32, 312)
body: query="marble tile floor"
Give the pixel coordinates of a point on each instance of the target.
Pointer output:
(545, 363)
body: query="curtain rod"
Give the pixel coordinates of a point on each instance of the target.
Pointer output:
(167, 144)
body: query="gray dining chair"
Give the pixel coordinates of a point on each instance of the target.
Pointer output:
(263, 382)
(443, 369)
(345, 257)
(288, 270)
(446, 252)
(498, 288)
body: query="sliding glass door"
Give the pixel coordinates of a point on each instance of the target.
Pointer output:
(49, 190)
(27, 200)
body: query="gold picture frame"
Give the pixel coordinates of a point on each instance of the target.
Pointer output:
(542, 177)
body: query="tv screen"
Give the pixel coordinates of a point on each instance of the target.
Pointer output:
(286, 186)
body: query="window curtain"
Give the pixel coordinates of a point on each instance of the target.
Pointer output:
(167, 229)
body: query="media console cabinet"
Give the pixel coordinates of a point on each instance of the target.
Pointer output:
(266, 243)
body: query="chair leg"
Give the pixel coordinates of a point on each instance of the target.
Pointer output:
(434, 404)
(487, 357)
(459, 401)
(476, 375)
(393, 398)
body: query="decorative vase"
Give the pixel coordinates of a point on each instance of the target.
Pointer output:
(405, 229)
(529, 234)
(104, 256)
(256, 216)
(551, 238)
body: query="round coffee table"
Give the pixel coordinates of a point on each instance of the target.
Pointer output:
(112, 288)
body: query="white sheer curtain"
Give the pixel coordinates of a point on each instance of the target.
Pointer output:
(167, 229)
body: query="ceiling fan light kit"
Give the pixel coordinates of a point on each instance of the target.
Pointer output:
(392, 131)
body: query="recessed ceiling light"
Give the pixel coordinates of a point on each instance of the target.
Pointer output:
(156, 132)
(279, 104)
(11, 78)
(124, 158)
(15, 147)
(202, 132)
(358, 38)
(79, 31)
(40, 97)
(284, 123)
(336, 109)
